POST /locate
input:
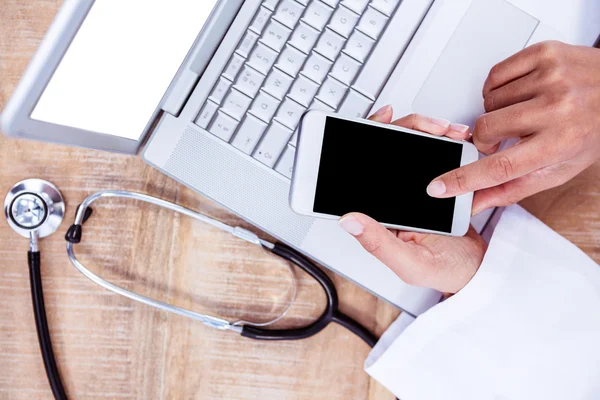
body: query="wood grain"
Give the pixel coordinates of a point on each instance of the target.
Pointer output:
(110, 347)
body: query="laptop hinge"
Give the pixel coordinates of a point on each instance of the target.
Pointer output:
(179, 91)
(200, 55)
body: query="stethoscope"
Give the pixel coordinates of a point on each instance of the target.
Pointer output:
(35, 209)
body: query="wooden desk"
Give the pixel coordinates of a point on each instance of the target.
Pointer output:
(110, 347)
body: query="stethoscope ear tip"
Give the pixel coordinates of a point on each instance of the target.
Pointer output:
(75, 231)
(74, 234)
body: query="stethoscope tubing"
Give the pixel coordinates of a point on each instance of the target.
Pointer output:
(246, 329)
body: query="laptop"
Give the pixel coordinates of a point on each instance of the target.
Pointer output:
(210, 92)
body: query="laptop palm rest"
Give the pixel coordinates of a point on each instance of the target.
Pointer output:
(490, 31)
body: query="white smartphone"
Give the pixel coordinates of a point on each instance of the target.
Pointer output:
(353, 165)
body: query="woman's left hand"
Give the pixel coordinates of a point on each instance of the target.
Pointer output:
(443, 263)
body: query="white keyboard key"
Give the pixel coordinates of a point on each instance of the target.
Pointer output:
(206, 115)
(304, 38)
(223, 126)
(331, 3)
(275, 35)
(319, 105)
(260, 20)
(290, 61)
(356, 5)
(233, 67)
(220, 90)
(359, 45)
(290, 113)
(264, 106)
(355, 105)
(285, 165)
(316, 67)
(372, 22)
(385, 6)
(294, 140)
(317, 14)
(272, 144)
(270, 4)
(345, 69)
(262, 58)
(332, 92)
(247, 43)
(330, 44)
(288, 13)
(343, 21)
(236, 104)
(303, 90)
(277, 84)
(303, 2)
(249, 134)
(249, 81)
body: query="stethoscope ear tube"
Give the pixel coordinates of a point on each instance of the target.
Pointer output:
(246, 329)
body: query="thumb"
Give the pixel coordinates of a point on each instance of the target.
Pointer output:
(379, 241)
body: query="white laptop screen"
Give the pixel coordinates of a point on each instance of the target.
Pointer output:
(120, 64)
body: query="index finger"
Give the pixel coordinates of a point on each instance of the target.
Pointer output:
(434, 126)
(491, 171)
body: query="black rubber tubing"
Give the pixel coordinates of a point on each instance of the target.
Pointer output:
(330, 314)
(41, 323)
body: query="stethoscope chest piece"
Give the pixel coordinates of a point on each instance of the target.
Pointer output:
(34, 205)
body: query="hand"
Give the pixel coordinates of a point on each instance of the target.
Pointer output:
(443, 263)
(548, 95)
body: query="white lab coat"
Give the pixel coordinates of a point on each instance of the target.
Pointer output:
(527, 326)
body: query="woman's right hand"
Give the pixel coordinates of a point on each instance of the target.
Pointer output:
(548, 96)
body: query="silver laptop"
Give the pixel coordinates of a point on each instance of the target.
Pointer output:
(210, 91)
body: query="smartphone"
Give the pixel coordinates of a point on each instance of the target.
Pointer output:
(347, 165)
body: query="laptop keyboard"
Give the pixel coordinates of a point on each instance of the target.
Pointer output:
(295, 55)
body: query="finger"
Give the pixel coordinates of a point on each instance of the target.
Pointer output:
(459, 132)
(517, 120)
(516, 190)
(514, 67)
(378, 241)
(435, 126)
(517, 91)
(383, 115)
(494, 170)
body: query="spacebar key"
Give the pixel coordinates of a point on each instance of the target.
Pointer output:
(395, 39)
(273, 143)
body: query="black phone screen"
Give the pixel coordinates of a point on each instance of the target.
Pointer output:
(384, 173)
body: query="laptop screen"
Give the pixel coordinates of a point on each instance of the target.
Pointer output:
(120, 63)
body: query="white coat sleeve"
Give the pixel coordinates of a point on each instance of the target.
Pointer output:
(527, 326)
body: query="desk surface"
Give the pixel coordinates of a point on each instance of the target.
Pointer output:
(109, 347)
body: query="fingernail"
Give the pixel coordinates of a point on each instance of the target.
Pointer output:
(351, 225)
(444, 123)
(459, 128)
(382, 111)
(436, 189)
